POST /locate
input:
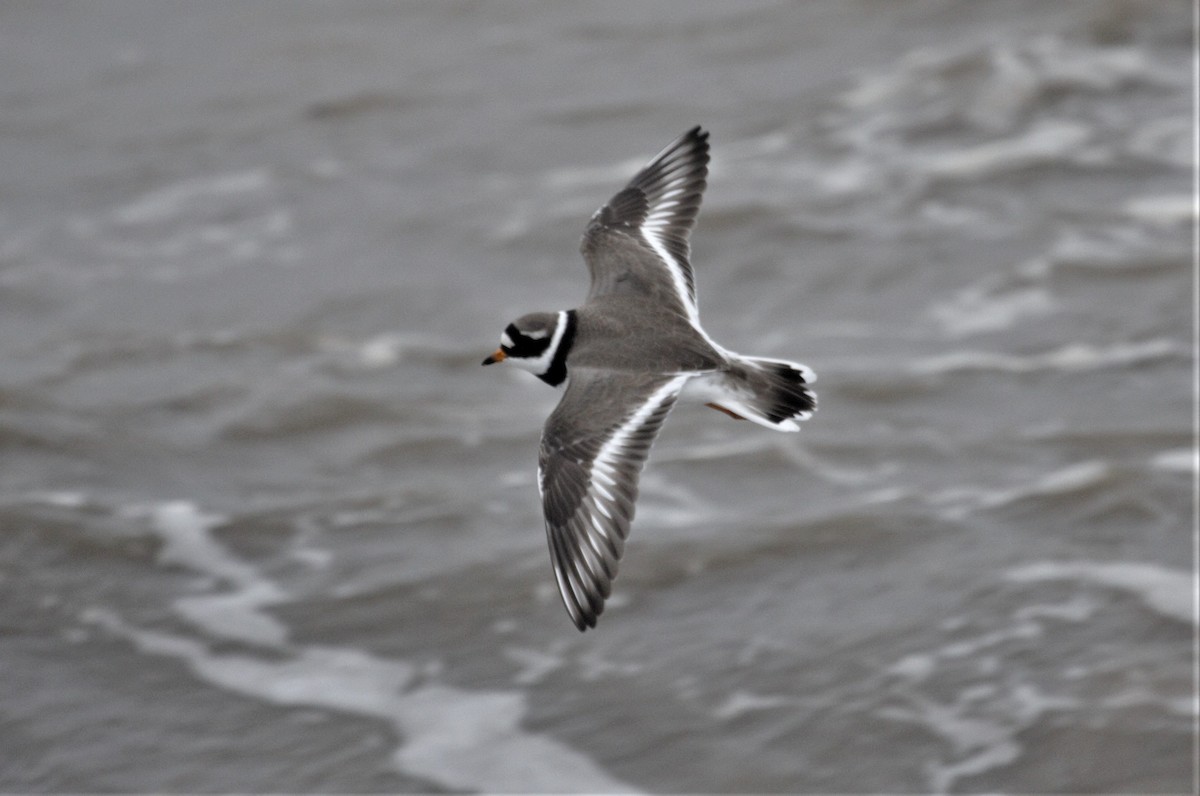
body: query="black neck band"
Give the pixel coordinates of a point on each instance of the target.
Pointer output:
(556, 374)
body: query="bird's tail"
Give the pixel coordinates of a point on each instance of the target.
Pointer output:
(770, 392)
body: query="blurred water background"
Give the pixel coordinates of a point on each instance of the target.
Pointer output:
(266, 525)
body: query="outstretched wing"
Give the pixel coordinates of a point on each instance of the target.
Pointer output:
(638, 242)
(593, 447)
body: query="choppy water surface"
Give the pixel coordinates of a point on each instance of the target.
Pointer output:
(265, 525)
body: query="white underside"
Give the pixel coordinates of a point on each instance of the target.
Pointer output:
(712, 387)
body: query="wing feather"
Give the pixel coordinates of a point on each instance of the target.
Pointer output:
(638, 242)
(593, 449)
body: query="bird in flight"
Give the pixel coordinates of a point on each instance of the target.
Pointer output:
(623, 357)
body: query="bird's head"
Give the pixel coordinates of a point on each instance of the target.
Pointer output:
(537, 342)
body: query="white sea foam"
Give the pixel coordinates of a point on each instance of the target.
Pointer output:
(1165, 140)
(459, 739)
(780, 445)
(887, 494)
(916, 667)
(169, 202)
(1048, 142)
(1070, 358)
(1183, 460)
(1007, 75)
(186, 532)
(60, 499)
(238, 615)
(1163, 210)
(983, 721)
(192, 227)
(998, 104)
(988, 742)
(468, 740)
(1117, 248)
(958, 502)
(981, 309)
(593, 667)
(386, 350)
(741, 702)
(985, 743)
(969, 648)
(381, 352)
(1072, 478)
(535, 664)
(1079, 609)
(1168, 592)
(1068, 64)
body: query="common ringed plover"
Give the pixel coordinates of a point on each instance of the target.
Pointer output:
(624, 356)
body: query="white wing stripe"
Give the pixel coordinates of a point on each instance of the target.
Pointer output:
(599, 487)
(609, 454)
(652, 240)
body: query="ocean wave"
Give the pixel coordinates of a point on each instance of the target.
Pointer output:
(1070, 358)
(1182, 460)
(388, 349)
(960, 501)
(1168, 592)
(237, 614)
(1163, 209)
(182, 197)
(1142, 243)
(1046, 143)
(1120, 249)
(946, 116)
(995, 85)
(189, 228)
(275, 418)
(981, 692)
(983, 308)
(460, 739)
(981, 723)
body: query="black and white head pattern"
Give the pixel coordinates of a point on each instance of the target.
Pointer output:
(539, 342)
